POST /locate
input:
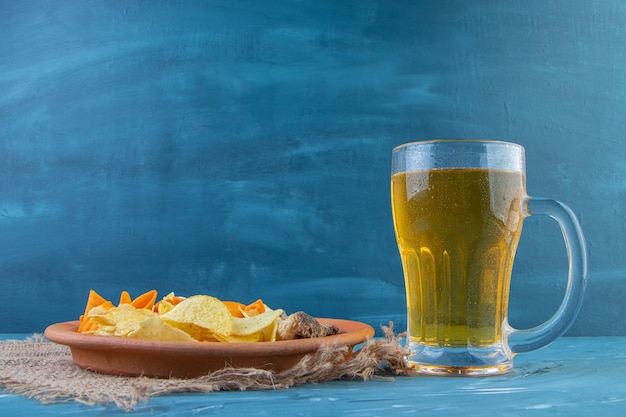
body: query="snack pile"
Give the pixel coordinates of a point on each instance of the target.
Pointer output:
(200, 318)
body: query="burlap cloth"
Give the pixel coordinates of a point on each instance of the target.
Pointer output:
(44, 371)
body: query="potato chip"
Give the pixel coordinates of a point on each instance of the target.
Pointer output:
(167, 303)
(201, 316)
(270, 333)
(118, 321)
(163, 307)
(154, 328)
(250, 338)
(257, 328)
(102, 316)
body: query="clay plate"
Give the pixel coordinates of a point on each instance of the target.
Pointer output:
(133, 357)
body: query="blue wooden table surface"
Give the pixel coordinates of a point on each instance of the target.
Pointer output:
(572, 377)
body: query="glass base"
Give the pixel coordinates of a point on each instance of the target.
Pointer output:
(445, 361)
(438, 370)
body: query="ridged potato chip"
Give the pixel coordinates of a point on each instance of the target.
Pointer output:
(203, 317)
(259, 328)
(154, 328)
(118, 321)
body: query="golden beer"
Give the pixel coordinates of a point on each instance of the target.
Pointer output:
(458, 208)
(457, 232)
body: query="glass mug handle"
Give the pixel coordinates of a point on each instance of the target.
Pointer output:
(537, 337)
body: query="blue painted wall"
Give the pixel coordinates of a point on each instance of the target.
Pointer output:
(242, 148)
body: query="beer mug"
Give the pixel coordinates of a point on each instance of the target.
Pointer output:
(458, 209)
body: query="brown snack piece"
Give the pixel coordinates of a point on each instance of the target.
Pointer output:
(300, 325)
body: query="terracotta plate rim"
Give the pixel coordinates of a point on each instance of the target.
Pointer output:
(351, 333)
